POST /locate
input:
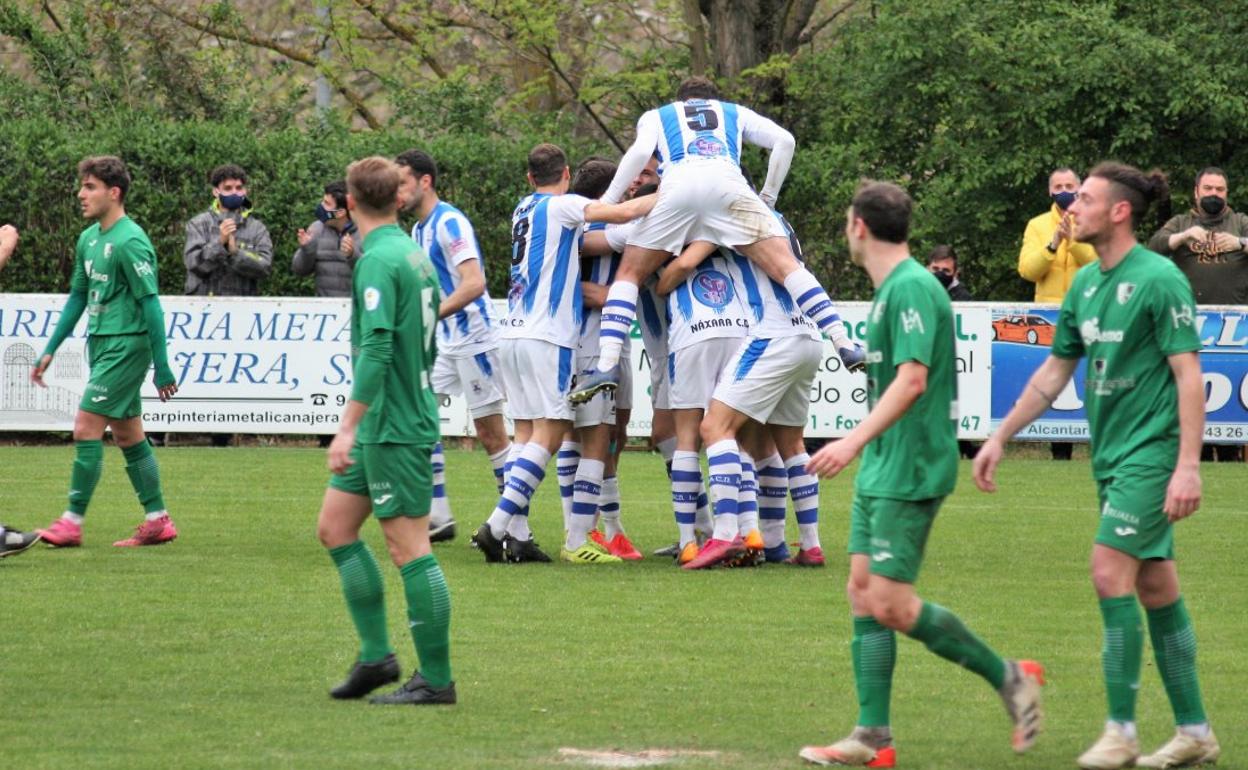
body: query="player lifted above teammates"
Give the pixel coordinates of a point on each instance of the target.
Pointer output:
(114, 281)
(705, 197)
(1133, 316)
(467, 361)
(542, 332)
(381, 456)
(909, 466)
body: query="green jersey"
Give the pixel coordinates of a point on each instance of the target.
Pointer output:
(395, 289)
(1127, 321)
(911, 320)
(115, 268)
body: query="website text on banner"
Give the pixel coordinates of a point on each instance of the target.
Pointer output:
(282, 365)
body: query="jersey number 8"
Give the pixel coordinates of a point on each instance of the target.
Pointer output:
(519, 241)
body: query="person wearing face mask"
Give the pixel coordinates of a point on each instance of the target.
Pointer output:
(329, 247)
(1050, 255)
(944, 265)
(1208, 246)
(228, 250)
(1208, 243)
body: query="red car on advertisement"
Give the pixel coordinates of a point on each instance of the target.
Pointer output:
(1028, 328)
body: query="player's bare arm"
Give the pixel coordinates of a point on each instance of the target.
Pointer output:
(471, 287)
(593, 295)
(908, 386)
(1038, 395)
(1184, 491)
(620, 213)
(679, 269)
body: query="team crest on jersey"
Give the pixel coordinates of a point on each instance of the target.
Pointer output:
(518, 285)
(1125, 290)
(713, 289)
(372, 298)
(108, 250)
(706, 147)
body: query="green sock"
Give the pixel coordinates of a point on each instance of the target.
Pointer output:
(88, 466)
(874, 651)
(144, 475)
(1174, 647)
(429, 617)
(366, 599)
(944, 634)
(1121, 654)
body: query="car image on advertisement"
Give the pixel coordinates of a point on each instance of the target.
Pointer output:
(1028, 328)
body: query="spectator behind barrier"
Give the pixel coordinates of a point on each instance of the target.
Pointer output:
(943, 263)
(228, 251)
(1208, 245)
(328, 247)
(1050, 256)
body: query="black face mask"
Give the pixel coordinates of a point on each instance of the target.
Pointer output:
(944, 276)
(1212, 205)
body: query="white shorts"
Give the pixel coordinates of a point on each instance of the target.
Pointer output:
(478, 378)
(537, 376)
(599, 410)
(624, 393)
(705, 201)
(656, 354)
(769, 380)
(696, 369)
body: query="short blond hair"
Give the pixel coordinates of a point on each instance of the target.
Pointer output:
(373, 183)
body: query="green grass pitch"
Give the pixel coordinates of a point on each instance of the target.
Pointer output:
(217, 651)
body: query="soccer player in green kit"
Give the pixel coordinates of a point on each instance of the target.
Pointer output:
(909, 466)
(381, 457)
(114, 281)
(1132, 315)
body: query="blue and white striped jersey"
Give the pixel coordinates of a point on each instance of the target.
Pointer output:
(448, 238)
(544, 302)
(708, 305)
(773, 312)
(599, 270)
(705, 129)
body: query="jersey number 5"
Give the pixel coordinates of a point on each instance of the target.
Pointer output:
(700, 116)
(519, 241)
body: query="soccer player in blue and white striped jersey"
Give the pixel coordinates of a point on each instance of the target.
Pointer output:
(467, 337)
(540, 336)
(705, 197)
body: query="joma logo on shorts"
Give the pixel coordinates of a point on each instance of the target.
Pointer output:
(1124, 531)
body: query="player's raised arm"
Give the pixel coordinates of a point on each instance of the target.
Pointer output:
(679, 269)
(636, 157)
(620, 213)
(766, 133)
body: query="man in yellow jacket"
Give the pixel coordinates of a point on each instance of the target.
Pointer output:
(1050, 256)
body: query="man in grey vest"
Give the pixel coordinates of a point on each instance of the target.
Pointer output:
(328, 248)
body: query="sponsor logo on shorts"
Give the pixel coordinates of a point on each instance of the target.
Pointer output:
(881, 556)
(382, 500)
(1110, 512)
(98, 399)
(713, 289)
(1125, 531)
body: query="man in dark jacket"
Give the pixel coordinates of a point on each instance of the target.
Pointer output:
(944, 265)
(328, 247)
(228, 251)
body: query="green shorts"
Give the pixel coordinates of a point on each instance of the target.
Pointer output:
(396, 478)
(1132, 519)
(893, 533)
(119, 365)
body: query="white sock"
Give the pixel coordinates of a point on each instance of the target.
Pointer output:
(154, 515)
(703, 520)
(75, 518)
(725, 467)
(584, 502)
(773, 489)
(1200, 730)
(498, 461)
(616, 322)
(747, 498)
(686, 487)
(526, 476)
(440, 505)
(816, 305)
(667, 449)
(609, 507)
(565, 465)
(1127, 728)
(518, 528)
(804, 489)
